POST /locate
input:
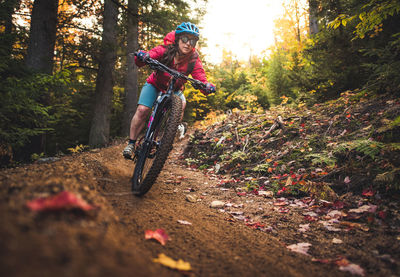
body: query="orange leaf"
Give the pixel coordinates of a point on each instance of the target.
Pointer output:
(160, 235)
(171, 263)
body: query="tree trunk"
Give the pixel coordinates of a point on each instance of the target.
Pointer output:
(100, 129)
(8, 37)
(131, 88)
(313, 21)
(297, 18)
(42, 36)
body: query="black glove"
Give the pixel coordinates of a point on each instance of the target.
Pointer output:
(142, 56)
(210, 88)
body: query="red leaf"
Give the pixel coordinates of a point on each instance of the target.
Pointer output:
(368, 192)
(310, 218)
(382, 214)
(255, 225)
(342, 262)
(338, 204)
(160, 235)
(65, 200)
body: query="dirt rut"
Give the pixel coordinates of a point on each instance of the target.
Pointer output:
(110, 240)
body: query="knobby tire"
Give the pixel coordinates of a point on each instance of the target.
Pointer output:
(143, 181)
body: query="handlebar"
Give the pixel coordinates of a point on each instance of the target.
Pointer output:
(156, 65)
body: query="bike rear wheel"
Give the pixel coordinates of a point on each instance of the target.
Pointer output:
(152, 155)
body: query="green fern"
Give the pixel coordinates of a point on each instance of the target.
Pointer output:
(262, 168)
(369, 148)
(364, 146)
(389, 178)
(323, 158)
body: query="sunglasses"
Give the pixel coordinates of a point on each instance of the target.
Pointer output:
(192, 41)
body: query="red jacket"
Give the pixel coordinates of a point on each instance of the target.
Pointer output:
(161, 79)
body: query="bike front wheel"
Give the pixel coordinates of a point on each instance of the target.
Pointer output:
(153, 154)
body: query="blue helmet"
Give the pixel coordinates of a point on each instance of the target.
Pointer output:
(187, 27)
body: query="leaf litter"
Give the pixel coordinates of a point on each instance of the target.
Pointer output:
(295, 176)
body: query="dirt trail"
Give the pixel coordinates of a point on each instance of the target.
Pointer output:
(110, 241)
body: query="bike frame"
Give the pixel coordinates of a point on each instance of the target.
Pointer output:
(161, 101)
(145, 174)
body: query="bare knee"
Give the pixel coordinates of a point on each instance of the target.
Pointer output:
(142, 112)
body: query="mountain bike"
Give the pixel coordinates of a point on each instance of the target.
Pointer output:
(153, 148)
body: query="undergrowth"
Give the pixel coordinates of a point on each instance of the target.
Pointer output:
(343, 145)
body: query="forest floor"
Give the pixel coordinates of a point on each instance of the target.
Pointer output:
(214, 224)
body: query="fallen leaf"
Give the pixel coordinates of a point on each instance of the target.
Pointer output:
(382, 214)
(171, 263)
(328, 225)
(64, 200)
(266, 193)
(364, 208)
(310, 218)
(345, 265)
(255, 225)
(217, 204)
(280, 203)
(312, 214)
(304, 228)
(184, 222)
(338, 204)
(289, 182)
(298, 204)
(354, 225)
(160, 235)
(336, 241)
(301, 247)
(334, 214)
(368, 192)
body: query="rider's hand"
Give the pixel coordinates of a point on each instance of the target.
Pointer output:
(210, 88)
(142, 56)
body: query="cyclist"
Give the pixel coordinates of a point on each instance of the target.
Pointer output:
(179, 55)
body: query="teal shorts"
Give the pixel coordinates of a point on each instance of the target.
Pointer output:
(149, 94)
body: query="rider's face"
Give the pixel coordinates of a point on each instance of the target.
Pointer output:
(186, 47)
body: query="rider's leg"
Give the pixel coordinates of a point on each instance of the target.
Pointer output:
(138, 121)
(146, 100)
